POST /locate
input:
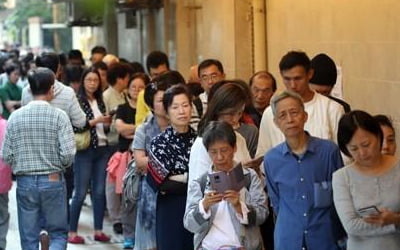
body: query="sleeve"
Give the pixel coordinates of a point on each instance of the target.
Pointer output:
(193, 220)
(242, 153)
(75, 113)
(265, 132)
(66, 141)
(26, 96)
(139, 139)
(352, 222)
(142, 110)
(272, 188)
(257, 204)
(199, 160)
(121, 113)
(7, 147)
(253, 141)
(335, 112)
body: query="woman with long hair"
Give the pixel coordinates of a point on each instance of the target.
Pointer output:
(90, 164)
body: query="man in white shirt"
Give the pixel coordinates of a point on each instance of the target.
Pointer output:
(323, 113)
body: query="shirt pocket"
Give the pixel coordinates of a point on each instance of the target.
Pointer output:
(323, 194)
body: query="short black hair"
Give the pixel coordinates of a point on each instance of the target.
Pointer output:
(155, 59)
(48, 60)
(207, 63)
(353, 120)
(161, 83)
(173, 91)
(40, 80)
(100, 65)
(293, 59)
(73, 73)
(216, 131)
(266, 75)
(137, 67)
(384, 120)
(118, 70)
(98, 50)
(9, 68)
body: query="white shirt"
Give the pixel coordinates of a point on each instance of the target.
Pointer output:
(222, 231)
(200, 162)
(204, 101)
(101, 136)
(323, 119)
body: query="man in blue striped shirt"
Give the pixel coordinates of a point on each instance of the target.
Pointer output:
(39, 145)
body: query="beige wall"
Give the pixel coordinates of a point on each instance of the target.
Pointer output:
(215, 29)
(362, 36)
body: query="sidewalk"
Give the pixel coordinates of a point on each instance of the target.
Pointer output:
(85, 229)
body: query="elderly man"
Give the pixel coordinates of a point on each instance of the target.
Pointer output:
(262, 87)
(299, 174)
(39, 145)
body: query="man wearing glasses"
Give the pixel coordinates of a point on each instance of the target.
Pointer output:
(210, 72)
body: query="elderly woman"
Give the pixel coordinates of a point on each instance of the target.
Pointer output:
(230, 218)
(367, 192)
(168, 170)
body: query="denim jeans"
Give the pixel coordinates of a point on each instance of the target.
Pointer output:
(39, 196)
(89, 168)
(4, 219)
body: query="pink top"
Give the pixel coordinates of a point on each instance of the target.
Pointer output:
(5, 170)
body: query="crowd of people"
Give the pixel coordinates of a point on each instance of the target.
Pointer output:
(205, 163)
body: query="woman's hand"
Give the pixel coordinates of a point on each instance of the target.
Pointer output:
(233, 197)
(385, 217)
(210, 199)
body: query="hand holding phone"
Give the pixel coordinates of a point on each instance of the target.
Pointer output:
(367, 211)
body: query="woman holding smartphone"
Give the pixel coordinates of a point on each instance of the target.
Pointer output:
(367, 192)
(226, 219)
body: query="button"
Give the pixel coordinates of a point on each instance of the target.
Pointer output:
(305, 214)
(305, 232)
(301, 179)
(298, 161)
(303, 197)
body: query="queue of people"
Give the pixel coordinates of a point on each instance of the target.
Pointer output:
(216, 164)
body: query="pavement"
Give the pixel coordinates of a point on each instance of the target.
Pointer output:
(85, 229)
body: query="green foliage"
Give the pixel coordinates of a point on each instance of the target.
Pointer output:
(25, 9)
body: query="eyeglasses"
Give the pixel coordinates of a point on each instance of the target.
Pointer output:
(213, 77)
(91, 80)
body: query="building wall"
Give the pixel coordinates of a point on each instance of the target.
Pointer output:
(362, 36)
(215, 29)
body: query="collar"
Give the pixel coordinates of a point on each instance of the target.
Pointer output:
(311, 146)
(38, 102)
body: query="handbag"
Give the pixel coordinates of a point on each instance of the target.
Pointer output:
(132, 180)
(82, 140)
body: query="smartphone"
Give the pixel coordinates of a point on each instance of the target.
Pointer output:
(367, 211)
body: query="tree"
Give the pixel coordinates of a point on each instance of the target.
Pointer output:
(17, 21)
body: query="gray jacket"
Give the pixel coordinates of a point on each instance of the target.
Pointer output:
(248, 235)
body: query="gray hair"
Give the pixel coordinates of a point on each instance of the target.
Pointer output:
(283, 95)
